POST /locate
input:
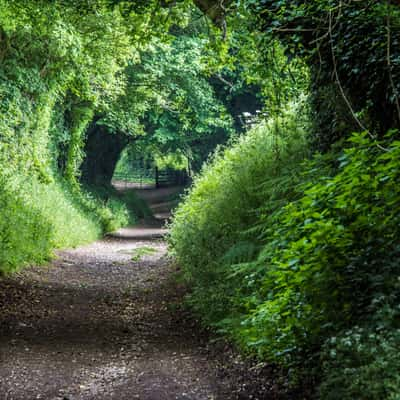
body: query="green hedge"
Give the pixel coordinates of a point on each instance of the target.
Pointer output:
(298, 262)
(209, 227)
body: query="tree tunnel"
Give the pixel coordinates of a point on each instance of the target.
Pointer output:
(103, 149)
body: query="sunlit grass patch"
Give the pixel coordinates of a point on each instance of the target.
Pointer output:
(140, 252)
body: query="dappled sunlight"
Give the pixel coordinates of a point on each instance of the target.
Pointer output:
(211, 188)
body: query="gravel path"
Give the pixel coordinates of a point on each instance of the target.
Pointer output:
(104, 321)
(97, 325)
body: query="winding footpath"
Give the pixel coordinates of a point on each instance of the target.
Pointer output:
(104, 321)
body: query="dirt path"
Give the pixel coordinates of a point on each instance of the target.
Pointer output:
(103, 322)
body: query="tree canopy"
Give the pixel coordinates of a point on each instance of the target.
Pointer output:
(286, 114)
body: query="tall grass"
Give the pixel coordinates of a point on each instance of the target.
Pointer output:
(37, 217)
(297, 261)
(209, 227)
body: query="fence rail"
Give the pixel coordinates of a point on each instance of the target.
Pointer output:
(159, 178)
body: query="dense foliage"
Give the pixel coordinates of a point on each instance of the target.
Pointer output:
(182, 117)
(352, 48)
(57, 65)
(294, 255)
(294, 281)
(291, 253)
(74, 74)
(223, 204)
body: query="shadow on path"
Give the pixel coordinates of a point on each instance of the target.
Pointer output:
(100, 323)
(105, 322)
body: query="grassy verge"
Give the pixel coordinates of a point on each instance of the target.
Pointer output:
(38, 217)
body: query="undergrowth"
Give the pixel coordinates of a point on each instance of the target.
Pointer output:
(209, 226)
(37, 217)
(309, 280)
(115, 208)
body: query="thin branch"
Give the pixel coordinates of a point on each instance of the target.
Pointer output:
(389, 62)
(292, 29)
(223, 20)
(223, 80)
(347, 101)
(335, 72)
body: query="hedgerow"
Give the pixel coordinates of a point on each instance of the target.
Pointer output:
(310, 280)
(207, 229)
(59, 64)
(325, 255)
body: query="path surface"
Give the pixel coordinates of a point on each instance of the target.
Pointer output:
(103, 322)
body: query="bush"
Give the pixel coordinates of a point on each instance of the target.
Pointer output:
(207, 230)
(300, 282)
(24, 235)
(114, 208)
(364, 362)
(106, 206)
(327, 254)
